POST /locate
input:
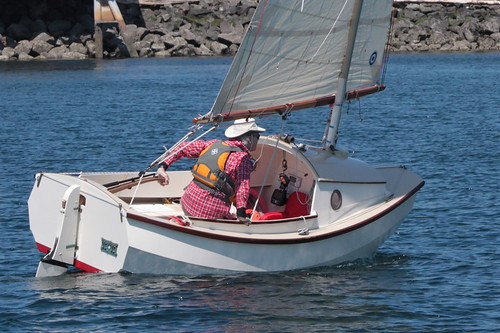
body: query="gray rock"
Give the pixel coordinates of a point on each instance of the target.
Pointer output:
(73, 55)
(57, 52)
(182, 51)
(218, 48)
(152, 38)
(40, 47)
(190, 37)
(413, 7)
(43, 36)
(24, 57)
(233, 49)
(490, 26)
(495, 36)
(145, 52)
(158, 46)
(485, 44)
(62, 41)
(174, 42)
(198, 10)
(203, 51)
(90, 45)
(141, 33)
(461, 45)
(402, 27)
(234, 27)
(162, 54)
(78, 48)
(86, 38)
(231, 38)
(23, 46)
(413, 15)
(8, 52)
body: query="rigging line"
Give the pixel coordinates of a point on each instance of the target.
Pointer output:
(359, 111)
(196, 139)
(308, 202)
(136, 188)
(249, 54)
(388, 47)
(329, 32)
(168, 151)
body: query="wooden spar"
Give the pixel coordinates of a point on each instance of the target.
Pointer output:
(280, 109)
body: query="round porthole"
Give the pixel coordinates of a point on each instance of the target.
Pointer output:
(336, 200)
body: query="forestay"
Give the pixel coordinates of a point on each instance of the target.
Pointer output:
(293, 50)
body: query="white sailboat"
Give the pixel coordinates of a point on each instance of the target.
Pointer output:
(296, 55)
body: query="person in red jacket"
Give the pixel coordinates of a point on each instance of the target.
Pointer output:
(213, 190)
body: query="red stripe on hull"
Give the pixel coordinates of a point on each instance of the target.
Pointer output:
(86, 268)
(78, 264)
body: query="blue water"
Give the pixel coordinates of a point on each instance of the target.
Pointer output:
(441, 272)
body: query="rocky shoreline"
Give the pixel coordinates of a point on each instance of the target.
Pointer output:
(63, 29)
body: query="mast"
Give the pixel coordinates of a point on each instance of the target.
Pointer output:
(333, 127)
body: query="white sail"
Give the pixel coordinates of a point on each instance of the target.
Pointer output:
(293, 51)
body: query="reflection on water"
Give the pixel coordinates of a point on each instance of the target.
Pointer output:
(43, 66)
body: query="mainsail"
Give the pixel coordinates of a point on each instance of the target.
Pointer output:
(292, 53)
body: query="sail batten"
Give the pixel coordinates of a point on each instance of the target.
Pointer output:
(293, 51)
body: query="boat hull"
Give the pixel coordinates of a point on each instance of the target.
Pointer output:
(169, 252)
(113, 236)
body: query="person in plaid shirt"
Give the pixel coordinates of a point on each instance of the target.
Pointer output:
(199, 202)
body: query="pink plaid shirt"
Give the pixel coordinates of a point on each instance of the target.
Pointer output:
(199, 202)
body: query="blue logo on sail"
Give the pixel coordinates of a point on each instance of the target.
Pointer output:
(373, 58)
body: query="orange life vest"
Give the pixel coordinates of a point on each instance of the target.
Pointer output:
(209, 174)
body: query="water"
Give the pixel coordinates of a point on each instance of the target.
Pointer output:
(440, 272)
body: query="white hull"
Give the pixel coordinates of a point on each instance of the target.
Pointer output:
(98, 231)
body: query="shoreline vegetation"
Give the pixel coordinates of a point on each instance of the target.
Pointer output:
(64, 29)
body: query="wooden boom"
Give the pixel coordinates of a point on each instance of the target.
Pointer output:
(280, 109)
